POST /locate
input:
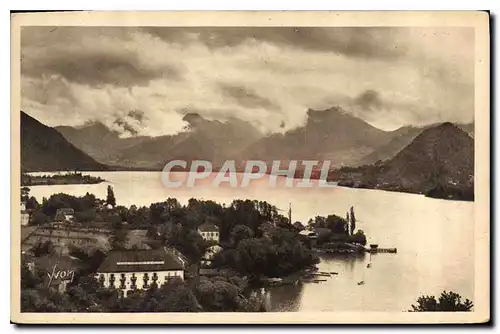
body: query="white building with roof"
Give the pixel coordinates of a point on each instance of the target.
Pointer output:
(25, 216)
(209, 255)
(209, 232)
(137, 269)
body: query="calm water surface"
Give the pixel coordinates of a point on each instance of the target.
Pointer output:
(434, 238)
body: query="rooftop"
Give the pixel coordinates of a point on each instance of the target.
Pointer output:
(66, 211)
(140, 260)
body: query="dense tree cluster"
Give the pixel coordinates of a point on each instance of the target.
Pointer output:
(68, 178)
(334, 230)
(276, 254)
(447, 302)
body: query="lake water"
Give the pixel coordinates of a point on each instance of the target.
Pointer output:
(434, 238)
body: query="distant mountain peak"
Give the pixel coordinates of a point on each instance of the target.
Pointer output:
(443, 153)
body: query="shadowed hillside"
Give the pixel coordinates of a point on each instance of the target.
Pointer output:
(438, 163)
(45, 149)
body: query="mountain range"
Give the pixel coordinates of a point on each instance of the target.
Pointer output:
(202, 139)
(331, 134)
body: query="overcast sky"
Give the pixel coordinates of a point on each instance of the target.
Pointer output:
(143, 80)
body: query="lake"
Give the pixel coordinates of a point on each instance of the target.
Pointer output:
(434, 238)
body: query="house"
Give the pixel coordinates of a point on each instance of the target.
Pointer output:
(25, 216)
(128, 270)
(65, 215)
(209, 231)
(178, 255)
(207, 258)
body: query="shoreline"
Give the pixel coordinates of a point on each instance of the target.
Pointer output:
(28, 180)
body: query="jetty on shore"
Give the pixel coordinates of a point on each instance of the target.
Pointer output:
(376, 249)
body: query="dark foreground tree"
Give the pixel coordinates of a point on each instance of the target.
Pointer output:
(110, 198)
(353, 221)
(447, 302)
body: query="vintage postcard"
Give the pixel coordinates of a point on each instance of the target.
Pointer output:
(250, 167)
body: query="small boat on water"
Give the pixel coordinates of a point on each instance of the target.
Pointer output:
(361, 282)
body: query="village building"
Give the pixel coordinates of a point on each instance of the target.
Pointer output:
(65, 215)
(207, 258)
(209, 232)
(137, 269)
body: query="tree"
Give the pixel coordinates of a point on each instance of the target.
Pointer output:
(359, 237)
(348, 220)
(43, 248)
(32, 204)
(120, 234)
(353, 220)
(217, 295)
(39, 218)
(448, 302)
(110, 198)
(240, 232)
(85, 216)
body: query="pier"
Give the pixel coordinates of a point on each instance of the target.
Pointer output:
(375, 249)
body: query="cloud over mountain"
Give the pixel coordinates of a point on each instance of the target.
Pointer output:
(267, 76)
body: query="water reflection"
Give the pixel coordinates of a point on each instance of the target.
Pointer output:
(434, 238)
(285, 298)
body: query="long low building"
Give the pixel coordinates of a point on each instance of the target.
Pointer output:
(137, 269)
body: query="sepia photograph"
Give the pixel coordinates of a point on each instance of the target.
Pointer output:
(286, 167)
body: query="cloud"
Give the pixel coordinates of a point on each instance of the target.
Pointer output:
(369, 99)
(93, 60)
(358, 42)
(138, 115)
(149, 78)
(246, 97)
(124, 126)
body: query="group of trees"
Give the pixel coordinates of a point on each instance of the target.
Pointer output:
(241, 235)
(447, 302)
(69, 178)
(337, 229)
(87, 208)
(276, 254)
